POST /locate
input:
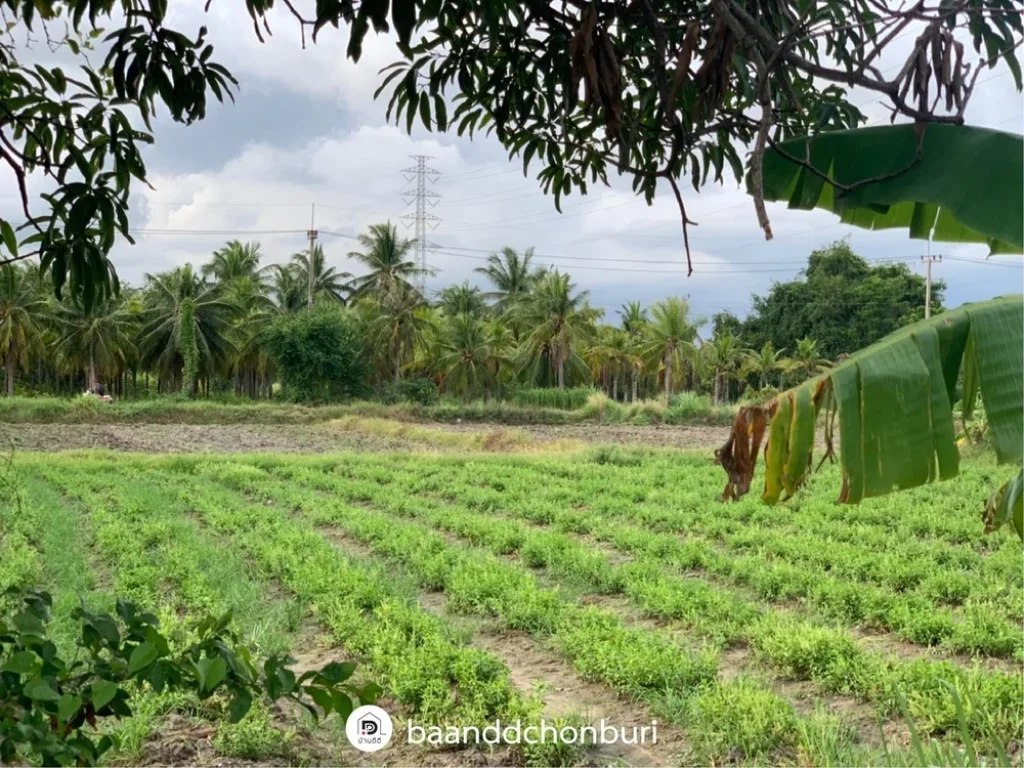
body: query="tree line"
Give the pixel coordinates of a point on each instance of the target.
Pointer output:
(237, 326)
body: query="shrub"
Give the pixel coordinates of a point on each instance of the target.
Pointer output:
(416, 390)
(49, 701)
(546, 397)
(318, 353)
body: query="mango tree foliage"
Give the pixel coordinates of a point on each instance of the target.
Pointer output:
(893, 405)
(656, 91)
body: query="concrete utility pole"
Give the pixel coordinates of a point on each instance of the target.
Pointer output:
(311, 234)
(929, 260)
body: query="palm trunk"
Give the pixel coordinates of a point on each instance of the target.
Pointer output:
(561, 373)
(636, 382)
(615, 387)
(398, 369)
(92, 365)
(718, 388)
(9, 367)
(668, 378)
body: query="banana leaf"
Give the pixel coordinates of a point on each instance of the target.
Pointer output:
(894, 405)
(966, 186)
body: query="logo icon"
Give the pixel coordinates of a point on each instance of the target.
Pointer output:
(369, 728)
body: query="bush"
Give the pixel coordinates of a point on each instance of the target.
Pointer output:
(319, 354)
(49, 701)
(547, 397)
(418, 390)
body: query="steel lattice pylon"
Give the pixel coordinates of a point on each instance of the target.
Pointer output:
(421, 219)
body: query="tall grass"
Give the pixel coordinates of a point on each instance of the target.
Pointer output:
(570, 399)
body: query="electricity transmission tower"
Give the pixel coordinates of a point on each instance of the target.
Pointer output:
(422, 173)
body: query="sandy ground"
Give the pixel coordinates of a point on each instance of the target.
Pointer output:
(313, 438)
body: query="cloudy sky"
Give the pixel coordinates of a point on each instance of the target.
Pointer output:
(305, 130)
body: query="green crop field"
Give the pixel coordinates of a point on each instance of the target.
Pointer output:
(607, 583)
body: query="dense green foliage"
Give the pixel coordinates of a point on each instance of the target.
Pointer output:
(841, 302)
(533, 330)
(689, 608)
(318, 354)
(48, 701)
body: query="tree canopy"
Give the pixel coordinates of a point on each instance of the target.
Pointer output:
(652, 90)
(840, 300)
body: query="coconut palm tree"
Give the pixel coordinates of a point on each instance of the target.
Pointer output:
(806, 360)
(558, 318)
(465, 355)
(22, 317)
(502, 344)
(327, 281)
(385, 254)
(634, 317)
(164, 341)
(399, 325)
(671, 337)
(290, 294)
(610, 357)
(723, 356)
(235, 260)
(99, 340)
(764, 363)
(462, 299)
(511, 276)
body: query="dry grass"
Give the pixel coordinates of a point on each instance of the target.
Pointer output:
(501, 440)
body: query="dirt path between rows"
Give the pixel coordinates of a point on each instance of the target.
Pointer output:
(316, 438)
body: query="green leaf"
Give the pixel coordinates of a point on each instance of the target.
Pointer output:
(22, 663)
(40, 690)
(425, 112)
(338, 672)
(914, 194)
(68, 706)
(403, 17)
(240, 705)
(9, 238)
(441, 113)
(29, 624)
(322, 697)
(103, 692)
(211, 673)
(342, 705)
(143, 655)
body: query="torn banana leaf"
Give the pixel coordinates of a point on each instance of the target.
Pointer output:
(1007, 505)
(893, 176)
(894, 406)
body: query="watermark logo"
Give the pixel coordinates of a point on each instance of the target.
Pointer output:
(369, 728)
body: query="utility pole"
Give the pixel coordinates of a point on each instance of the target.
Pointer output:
(311, 234)
(421, 172)
(929, 260)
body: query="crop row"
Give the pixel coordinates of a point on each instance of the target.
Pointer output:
(797, 559)
(662, 501)
(913, 617)
(679, 682)
(797, 648)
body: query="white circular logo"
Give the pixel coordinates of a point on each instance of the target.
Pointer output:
(369, 728)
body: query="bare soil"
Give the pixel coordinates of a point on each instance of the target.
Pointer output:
(316, 438)
(189, 438)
